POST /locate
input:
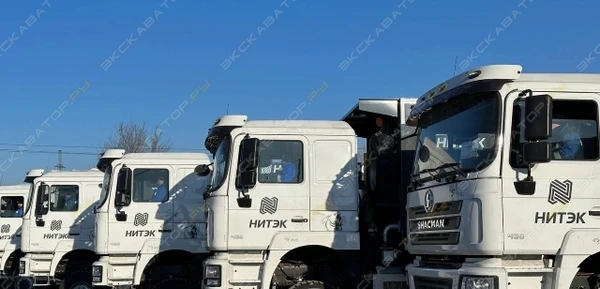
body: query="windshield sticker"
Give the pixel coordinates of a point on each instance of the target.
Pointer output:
(441, 141)
(467, 151)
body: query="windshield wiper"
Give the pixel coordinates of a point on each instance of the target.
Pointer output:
(455, 167)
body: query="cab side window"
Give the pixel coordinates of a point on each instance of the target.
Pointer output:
(11, 207)
(574, 131)
(280, 161)
(64, 198)
(150, 185)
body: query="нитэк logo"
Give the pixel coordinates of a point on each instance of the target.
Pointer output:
(5, 228)
(560, 192)
(268, 205)
(55, 225)
(140, 219)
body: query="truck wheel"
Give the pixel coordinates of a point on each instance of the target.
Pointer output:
(23, 283)
(77, 280)
(174, 283)
(311, 285)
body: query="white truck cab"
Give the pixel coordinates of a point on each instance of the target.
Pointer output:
(504, 191)
(12, 205)
(150, 220)
(283, 206)
(58, 225)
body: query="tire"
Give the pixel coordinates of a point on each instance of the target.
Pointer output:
(311, 285)
(24, 283)
(174, 283)
(77, 280)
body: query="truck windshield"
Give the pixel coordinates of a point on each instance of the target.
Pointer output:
(458, 136)
(105, 187)
(221, 163)
(29, 199)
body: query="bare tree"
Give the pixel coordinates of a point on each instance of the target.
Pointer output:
(136, 138)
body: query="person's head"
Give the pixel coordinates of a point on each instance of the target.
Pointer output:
(19, 204)
(160, 181)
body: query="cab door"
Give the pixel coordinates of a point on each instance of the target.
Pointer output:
(147, 214)
(62, 200)
(566, 194)
(280, 198)
(11, 216)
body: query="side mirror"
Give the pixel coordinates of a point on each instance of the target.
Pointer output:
(538, 129)
(122, 199)
(538, 117)
(122, 196)
(202, 170)
(122, 180)
(247, 164)
(537, 152)
(41, 207)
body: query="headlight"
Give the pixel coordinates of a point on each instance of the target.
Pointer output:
(21, 267)
(479, 282)
(96, 273)
(212, 271)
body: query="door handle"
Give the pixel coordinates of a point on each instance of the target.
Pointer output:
(594, 213)
(74, 234)
(165, 230)
(299, 219)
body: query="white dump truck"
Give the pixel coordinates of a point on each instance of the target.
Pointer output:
(503, 192)
(150, 221)
(284, 206)
(12, 205)
(58, 229)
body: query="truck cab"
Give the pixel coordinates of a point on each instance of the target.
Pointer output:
(150, 220)
(503, 188)
(58, 225)
(283, 205)
(12, 205)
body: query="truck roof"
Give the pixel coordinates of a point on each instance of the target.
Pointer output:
(167, 156)
(73, 174)
(508, 73)
(15, 187)
(283, 126)
(499, 74)
(306, 127)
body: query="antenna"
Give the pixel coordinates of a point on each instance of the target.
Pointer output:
(1, 178)
(455, 61)
(59, 166)
(227, 112)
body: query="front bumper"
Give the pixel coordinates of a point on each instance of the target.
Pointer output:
(420, 277)
(113, 271)
(36, 270)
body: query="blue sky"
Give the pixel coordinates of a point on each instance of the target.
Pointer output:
(54, 58)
